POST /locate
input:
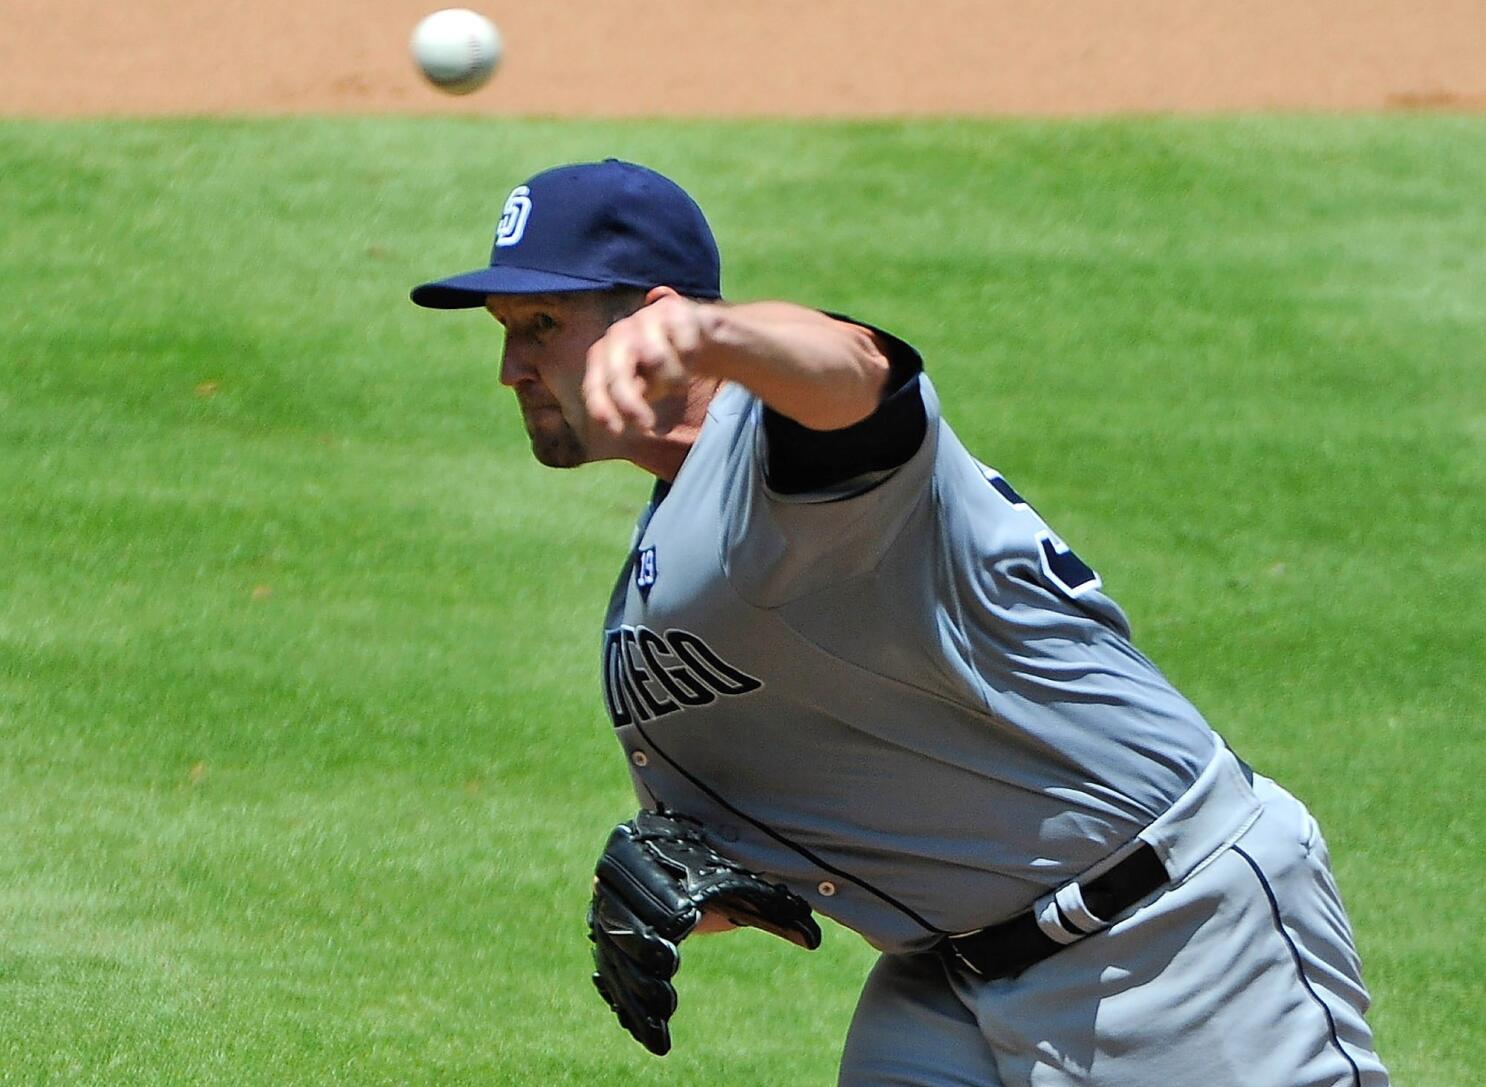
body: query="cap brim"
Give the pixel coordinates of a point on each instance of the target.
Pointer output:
(470, 289)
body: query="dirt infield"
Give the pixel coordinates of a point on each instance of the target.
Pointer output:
(751, 57)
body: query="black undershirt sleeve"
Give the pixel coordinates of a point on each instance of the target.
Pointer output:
(800, 460)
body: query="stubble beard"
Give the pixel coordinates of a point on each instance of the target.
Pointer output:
(553, 441)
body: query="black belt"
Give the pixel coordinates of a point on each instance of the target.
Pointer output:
(1005, 950)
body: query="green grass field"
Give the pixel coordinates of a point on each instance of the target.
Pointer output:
(304, 762)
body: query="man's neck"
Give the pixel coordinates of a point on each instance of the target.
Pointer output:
(663, 455)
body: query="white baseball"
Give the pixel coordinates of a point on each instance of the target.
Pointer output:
(456, 49)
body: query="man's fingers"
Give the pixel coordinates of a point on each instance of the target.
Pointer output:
(659, 362)
(685, 332)
(639, 365)
(596, 399)
(609, 391)
(624, 384)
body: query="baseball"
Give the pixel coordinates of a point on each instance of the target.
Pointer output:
(456, 49)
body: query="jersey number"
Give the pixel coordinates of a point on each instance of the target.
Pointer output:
(1060, 564)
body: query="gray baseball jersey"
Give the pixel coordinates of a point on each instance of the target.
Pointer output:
(905, 697)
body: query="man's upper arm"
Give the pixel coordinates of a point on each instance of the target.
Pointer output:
(799, 460)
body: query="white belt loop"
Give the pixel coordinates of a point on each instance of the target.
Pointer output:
(1046, 910)
(1069, 898)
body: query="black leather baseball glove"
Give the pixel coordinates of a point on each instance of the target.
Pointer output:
(656, 876)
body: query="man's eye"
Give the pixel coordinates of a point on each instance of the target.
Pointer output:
(543, 323)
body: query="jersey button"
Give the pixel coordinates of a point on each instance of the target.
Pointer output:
(826, 888)
(639, 758)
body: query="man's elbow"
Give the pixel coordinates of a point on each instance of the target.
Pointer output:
(853, 391)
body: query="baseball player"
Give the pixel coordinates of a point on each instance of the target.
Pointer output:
(850, 665)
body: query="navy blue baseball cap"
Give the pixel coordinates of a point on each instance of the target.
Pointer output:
(590, 227)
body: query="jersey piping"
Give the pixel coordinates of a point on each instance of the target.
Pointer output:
(1274, 910)
(795, 847)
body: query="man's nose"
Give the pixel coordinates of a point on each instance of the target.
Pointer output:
(514, 365)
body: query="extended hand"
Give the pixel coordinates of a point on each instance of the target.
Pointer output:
(639, 371)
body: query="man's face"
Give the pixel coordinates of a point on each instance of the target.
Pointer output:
(546, 350)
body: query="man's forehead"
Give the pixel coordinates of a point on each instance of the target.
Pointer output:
(520, 303)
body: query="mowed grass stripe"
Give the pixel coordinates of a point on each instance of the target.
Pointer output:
(305, 762)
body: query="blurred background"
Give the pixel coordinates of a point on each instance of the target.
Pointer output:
(303, 759)
(701, 58)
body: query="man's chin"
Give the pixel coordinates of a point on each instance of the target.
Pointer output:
(553, 441)
(560, 452)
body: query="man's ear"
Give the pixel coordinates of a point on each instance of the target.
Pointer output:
(655, 294)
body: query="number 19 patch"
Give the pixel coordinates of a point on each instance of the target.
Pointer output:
(645, 572)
